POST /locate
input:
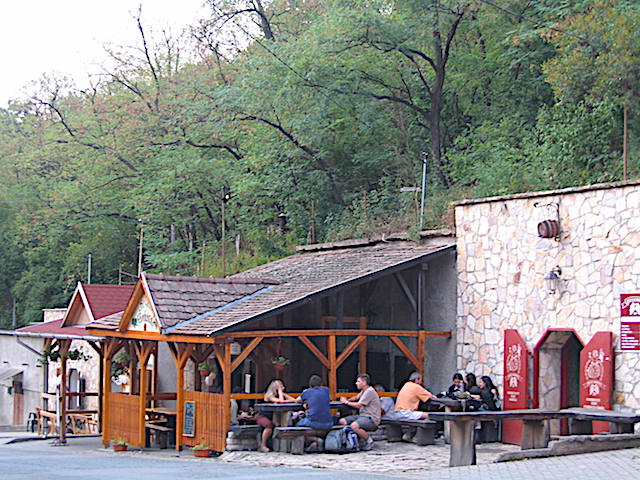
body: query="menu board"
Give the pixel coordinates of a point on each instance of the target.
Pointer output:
(189, 419)
(630, 321)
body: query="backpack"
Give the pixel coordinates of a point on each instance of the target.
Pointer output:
(343, 440)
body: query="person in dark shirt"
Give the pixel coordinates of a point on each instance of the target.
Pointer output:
(318, 402)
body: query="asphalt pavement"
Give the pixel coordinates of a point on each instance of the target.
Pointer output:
(23, 457)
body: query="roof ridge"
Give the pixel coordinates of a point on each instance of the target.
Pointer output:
(214, 280)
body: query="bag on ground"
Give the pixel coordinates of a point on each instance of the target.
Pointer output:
(343, 440)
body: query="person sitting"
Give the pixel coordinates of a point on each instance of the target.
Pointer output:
(458, 385)
(274, 394)
(318, 400)
(489, 394)
(387, 405)
(368, 404)
(470, 381)
(409, 398)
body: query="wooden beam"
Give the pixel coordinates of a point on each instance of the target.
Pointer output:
(407, 353)
(349, 350)
(407, 291)
(245, 353)
(324, 333)
(333, 367)
(316, 351)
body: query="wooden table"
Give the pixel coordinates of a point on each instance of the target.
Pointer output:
(169, 417)
(281, 418)
(535, 432)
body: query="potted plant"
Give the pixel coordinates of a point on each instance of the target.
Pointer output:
(77, 354)
(202, 449)
(120, 443)
(50, 354)
(280, 362)
(205, 368)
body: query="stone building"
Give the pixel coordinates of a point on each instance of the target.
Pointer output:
(508, 250)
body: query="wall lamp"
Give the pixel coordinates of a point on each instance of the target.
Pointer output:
(552, 280)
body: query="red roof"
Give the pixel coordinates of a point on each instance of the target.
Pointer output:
(55, 328)
(107, 299)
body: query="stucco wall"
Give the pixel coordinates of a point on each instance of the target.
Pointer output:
(12, 354)
(502, 263)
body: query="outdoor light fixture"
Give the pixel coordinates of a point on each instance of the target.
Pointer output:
(552, 279)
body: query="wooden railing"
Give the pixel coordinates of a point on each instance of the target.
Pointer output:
(124, 418)
(210, 426)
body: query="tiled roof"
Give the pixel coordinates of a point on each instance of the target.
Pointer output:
(107, 299)
(52, 329)
(110, 322)
(302, 275)
(178, 299)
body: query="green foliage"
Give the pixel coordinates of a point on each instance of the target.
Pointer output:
(318, 111)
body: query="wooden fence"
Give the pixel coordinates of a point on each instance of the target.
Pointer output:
(124, 418)
(209, 422)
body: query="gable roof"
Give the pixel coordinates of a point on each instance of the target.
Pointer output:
(93, 301)
(209, 306)
(55, 329)
(303, 276)
(177, 299)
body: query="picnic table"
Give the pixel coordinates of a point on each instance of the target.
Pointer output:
(535, 429)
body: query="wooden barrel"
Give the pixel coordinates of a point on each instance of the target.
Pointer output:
(549, 229)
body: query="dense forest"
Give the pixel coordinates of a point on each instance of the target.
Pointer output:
(274, 123)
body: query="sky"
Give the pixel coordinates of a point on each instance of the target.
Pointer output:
(66, 36)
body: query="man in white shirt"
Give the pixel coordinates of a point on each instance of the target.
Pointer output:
(368, 404)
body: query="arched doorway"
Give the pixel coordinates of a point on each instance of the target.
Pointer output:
(557, 373)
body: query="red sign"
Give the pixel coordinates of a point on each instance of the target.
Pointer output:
(630, 305)
(597, 376)
(629, 335)
(630, 321)
(516, 383)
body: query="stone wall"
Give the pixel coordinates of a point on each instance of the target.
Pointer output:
(502, 263)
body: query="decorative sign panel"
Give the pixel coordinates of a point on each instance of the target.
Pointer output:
(630, 321)
(597, 376)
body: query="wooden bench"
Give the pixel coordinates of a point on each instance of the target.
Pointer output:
(246, 431)
(297, 435)
(425, 434)
(580, 421)
(535, 431)
(162, 433)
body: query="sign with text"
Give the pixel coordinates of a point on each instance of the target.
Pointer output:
(516, 383)
(189, 419)
(630, 321)
(597, 376)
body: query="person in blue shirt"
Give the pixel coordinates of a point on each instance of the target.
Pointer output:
(318, 402)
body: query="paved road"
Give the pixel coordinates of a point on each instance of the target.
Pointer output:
(86, 458)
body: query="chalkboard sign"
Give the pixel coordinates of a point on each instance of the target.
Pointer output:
(189, 419)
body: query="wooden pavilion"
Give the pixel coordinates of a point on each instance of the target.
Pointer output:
(65, 336)
(378, 306)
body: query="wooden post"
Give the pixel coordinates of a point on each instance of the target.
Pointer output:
(62, 414)
(463, 445)
(143, 352)
(226, 386)
(363, 347)
(333, 368)
(535, 434)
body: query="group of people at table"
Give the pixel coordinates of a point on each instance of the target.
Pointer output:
(371, 408)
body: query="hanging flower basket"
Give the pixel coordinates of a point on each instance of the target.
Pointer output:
(205, 373)
(280, 362)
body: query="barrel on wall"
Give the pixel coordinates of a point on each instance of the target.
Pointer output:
(549, 229)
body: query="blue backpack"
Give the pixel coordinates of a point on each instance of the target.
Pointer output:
(343, 440)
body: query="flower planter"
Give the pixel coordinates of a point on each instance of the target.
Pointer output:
(202, 453)
(205, 373)
(278, 367)
(119, 448)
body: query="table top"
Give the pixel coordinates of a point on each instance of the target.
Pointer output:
(161, 411)
(288, 406)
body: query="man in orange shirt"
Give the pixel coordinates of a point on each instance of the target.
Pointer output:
(409, 398)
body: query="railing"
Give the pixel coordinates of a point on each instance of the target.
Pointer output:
(124, 418)
(210, 426)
